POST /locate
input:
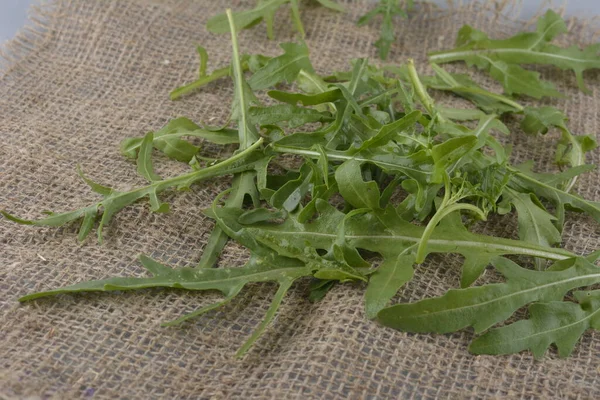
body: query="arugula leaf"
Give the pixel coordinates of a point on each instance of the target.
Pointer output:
(296, 116)
(289, 195)
(558, 322)
(306, 99)
(283, 68)
(264, 10)
(571, 149)
(382, 232)
(144, 160)
(389, 9)
(549, 187)
(113, 201)
(228, 281)
(319, 289)
(501, 58)
(169, 139)
(358, 193)
(483, 306)
(536, 225)
(464, 86)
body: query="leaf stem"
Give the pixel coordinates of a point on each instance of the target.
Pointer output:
(442, 212)
(198, 83)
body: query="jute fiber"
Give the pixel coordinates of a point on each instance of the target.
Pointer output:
(87, 74)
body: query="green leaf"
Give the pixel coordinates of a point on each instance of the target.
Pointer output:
(319, 289)
(517, 80)
(541, 119)
(389, 277)
(571, 149)
(388, 9)
(115, 200)
(264, 10)
(382, 232)
(449, 152)
(249, 62)
(169, 139)
(144, 160)
(558, 322)
(259, 215)
(96, 187)
(306, 99)
(246, 19)
(503, 57)
(288, 197)
(392, 131)
(483, 306)
(296, 116)
(283, 68)
(331, 5)
(354, 189)
(464, 86)
(550, 188)
(536, 225)
(228, 281)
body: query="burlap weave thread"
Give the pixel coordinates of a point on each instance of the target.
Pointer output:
(88, 74)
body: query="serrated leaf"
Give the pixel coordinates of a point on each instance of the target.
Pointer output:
(483, 306)
(246, 19)
(540, 119)
(169, 139)
(228, 281)
(382, 232)
(288, 196)
(388, 9)
(558, 322)
(283, 68)
(536, 225)
(550, 188)
(252, 62)
(464, 86)
(116, 200)
(319, 289)
(571, 149)
(517, 80)
(503, 57)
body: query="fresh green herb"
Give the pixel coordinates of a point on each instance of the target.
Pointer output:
(388, 9)
(503, 58)
(264, 11)
(559, 322)
(484, 306)
(382, 178)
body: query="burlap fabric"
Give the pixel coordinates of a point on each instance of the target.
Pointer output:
(89, 73)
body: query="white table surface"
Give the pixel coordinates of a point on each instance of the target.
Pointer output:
(13, 13)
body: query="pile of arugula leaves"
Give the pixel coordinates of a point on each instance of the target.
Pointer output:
(413, 176)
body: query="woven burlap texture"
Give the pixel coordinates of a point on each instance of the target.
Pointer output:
(87, 74)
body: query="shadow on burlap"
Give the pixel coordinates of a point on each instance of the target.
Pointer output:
(89, 74)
